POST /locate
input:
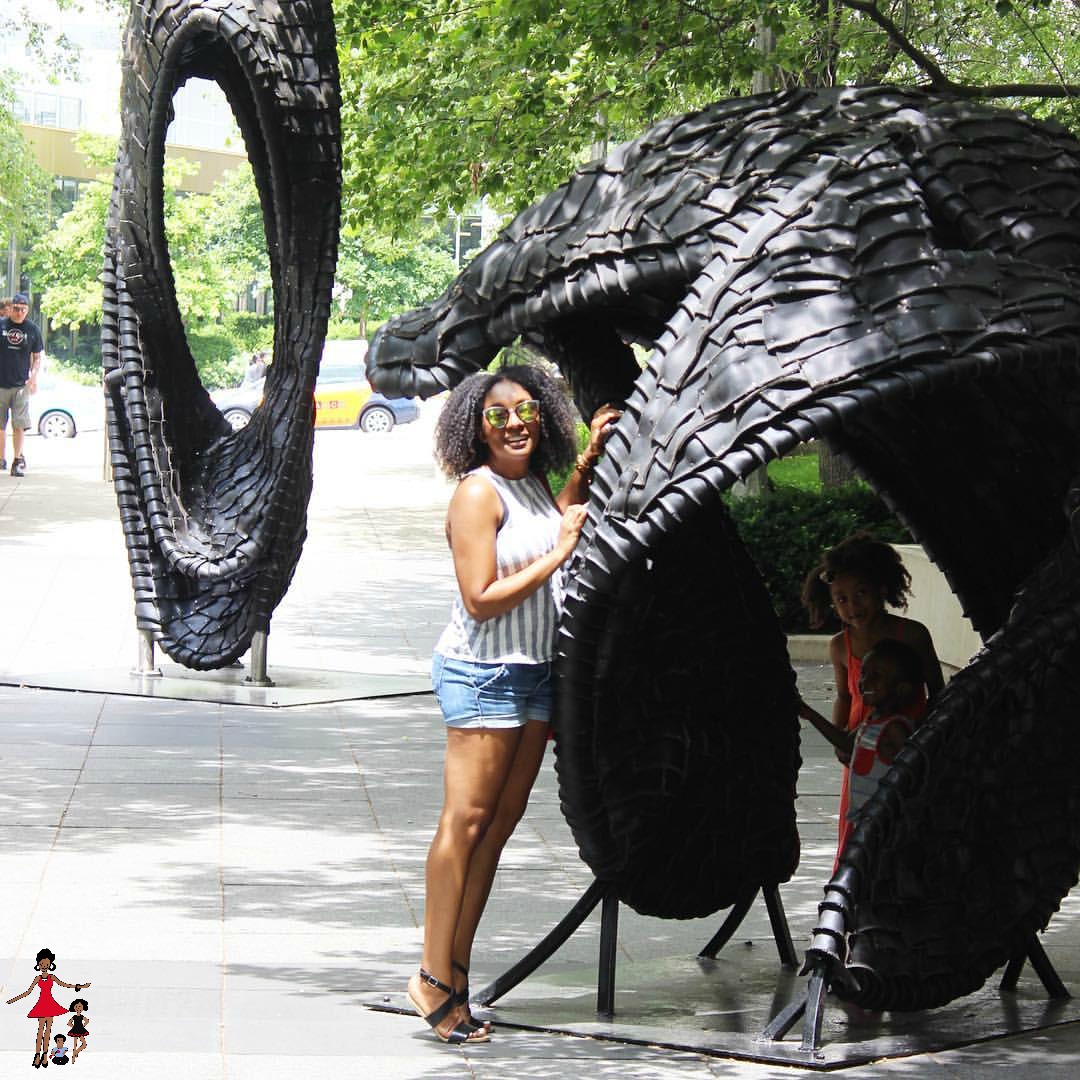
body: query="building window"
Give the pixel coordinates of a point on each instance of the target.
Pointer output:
(70, 112)
(65, 192)
(45, 110)
(24, 106)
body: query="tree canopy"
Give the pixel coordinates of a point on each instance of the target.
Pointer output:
(215, 242)
(449, 99)
(377, 277)
(24, 185)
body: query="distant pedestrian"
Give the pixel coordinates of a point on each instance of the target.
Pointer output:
(5, 308)
(21, 353)
(256, 368)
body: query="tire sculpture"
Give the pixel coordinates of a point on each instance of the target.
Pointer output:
(897, 273)
(214, 520)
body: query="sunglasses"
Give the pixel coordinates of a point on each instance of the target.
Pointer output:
(498, 416)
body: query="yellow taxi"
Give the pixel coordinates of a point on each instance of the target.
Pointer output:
(343, 396)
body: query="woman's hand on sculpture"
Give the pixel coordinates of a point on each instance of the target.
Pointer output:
(573, 520)
(600, 428)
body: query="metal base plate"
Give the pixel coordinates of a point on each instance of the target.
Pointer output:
(226, 686)
(720, 1007)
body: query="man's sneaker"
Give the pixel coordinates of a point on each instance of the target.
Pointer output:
(18, 466)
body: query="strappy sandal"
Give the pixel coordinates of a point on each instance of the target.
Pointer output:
(462, 1032)
(461, 998)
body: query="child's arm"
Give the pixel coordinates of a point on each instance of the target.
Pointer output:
(840, 739)
(891, 741)
(841, 709)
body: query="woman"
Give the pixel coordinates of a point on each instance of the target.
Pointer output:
(498, 434)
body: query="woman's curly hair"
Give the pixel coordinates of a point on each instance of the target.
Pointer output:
(459, 447)
(864, 555)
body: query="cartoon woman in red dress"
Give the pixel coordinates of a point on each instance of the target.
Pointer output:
(46, 1006)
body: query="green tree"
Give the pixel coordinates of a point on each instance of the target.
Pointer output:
(378, 277)
(448, 99)
(24, 185)
(212, 243)
(234, 230)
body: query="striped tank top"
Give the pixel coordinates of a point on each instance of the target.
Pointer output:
(524, 634)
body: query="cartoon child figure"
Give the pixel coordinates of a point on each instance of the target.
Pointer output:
(59, 1054)
(77, 1025)
(46, 1006)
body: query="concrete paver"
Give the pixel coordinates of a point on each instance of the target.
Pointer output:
(236, 882)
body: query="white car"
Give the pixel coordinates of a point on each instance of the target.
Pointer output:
(62, 408)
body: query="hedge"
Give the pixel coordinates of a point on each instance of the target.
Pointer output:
(787, 530)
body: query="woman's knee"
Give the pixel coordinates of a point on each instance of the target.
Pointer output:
(466, 825)
(507, 817)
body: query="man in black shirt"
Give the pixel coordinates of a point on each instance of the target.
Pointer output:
(21, 350)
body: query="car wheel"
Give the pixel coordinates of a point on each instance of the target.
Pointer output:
(377, 419)
(236, 418)
(56, 425)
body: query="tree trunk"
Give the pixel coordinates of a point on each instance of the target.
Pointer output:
(834, 469)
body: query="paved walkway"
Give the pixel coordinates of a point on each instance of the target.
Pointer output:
(235, 882)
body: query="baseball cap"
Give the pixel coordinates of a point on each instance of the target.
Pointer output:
(21, 298)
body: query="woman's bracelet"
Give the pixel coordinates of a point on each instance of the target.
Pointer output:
(584, 466)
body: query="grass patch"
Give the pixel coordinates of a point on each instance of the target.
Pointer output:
(799, 471)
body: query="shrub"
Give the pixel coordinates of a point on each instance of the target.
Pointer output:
(216, 357)
(248, 331)
(787, 530)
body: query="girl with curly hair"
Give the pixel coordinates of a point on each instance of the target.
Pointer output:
(498, 434)
(857, 579)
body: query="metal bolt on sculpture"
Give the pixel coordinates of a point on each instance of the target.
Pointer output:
(897, 273)
(214, 520)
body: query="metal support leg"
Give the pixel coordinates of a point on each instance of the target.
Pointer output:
(145, 666)
(258, 676)
(1011, 976)
(781, 931)
(815, 1012)
(546, 948)
(785, 1019)
(1051, 980)
(609, 937)
(722, 936)
(1043, 967)
(810, 1005)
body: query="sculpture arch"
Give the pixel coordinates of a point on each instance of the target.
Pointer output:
(214, 520)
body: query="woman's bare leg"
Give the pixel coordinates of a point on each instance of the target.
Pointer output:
(478, 762)
(510, 809)
(44, 1031)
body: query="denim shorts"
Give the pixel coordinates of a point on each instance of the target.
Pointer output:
(476, 695)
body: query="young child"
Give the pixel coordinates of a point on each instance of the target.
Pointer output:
(59, 1054)
(891, 686)
(77, 1025)
(857, 578)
